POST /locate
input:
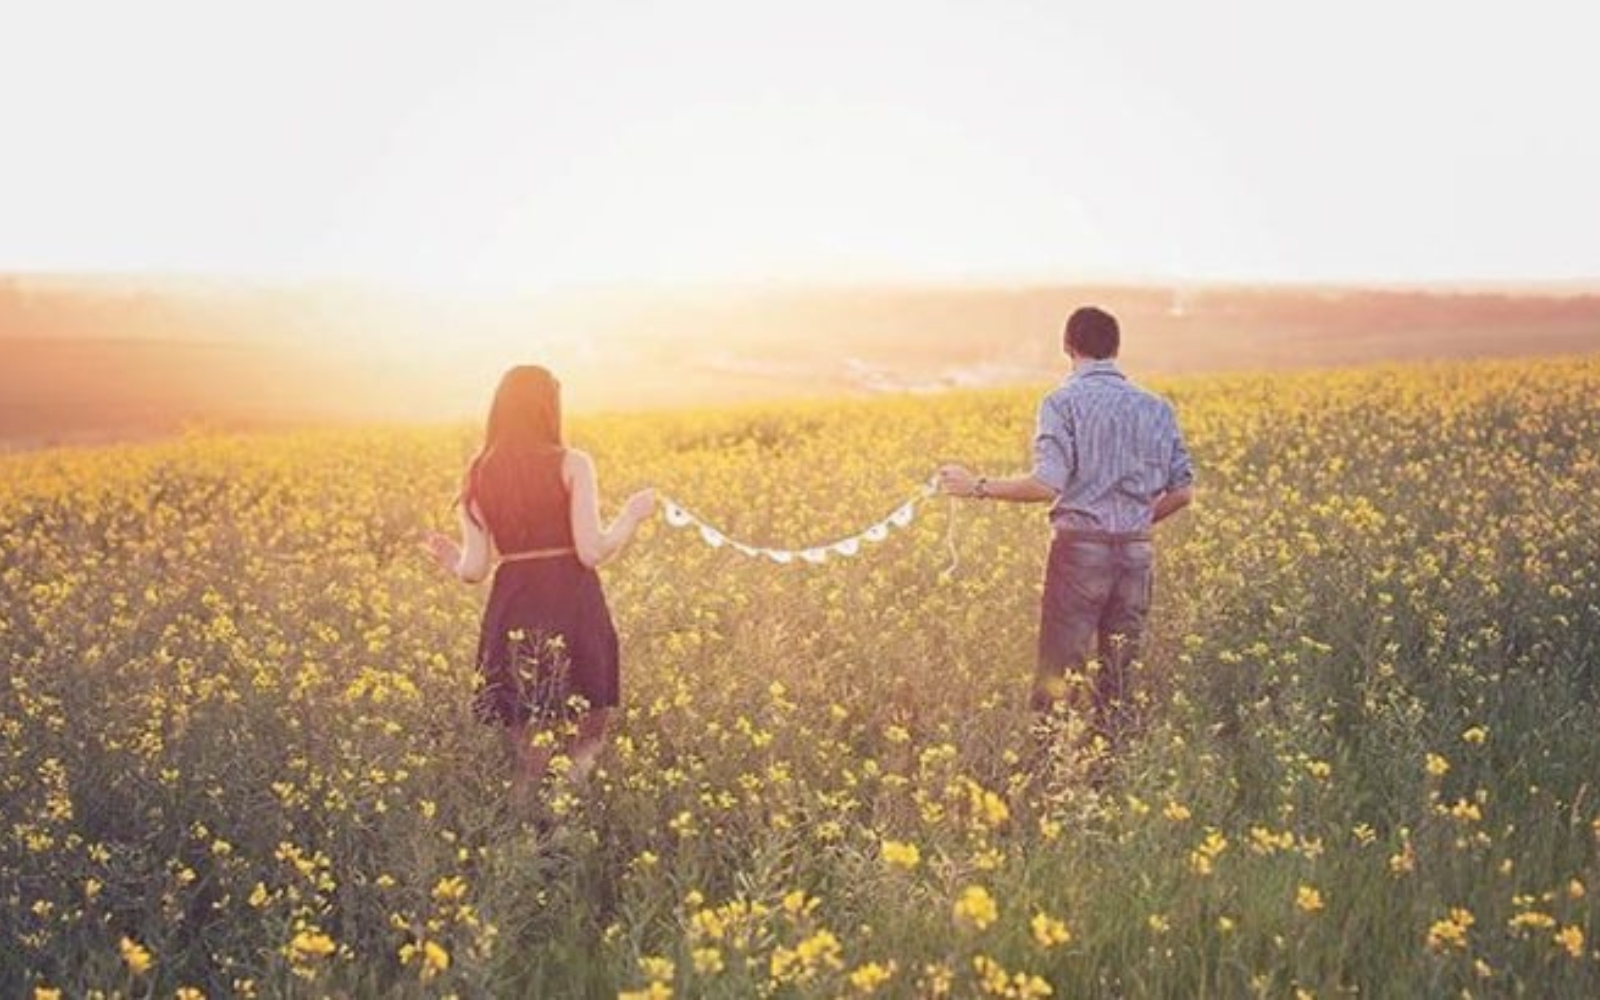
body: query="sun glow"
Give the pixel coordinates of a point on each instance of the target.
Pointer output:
(540, 145)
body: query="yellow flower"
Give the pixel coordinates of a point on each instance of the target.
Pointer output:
(707, 960)
(904, 856)
(1264, 841)
(1025, 987)
(1320, 769)
(820, 949)
(992, 976)
(1575, 889)
(988, 809)
(1451, 932)
(434, 959)
(430, 956)
(46, 993)
(994, 981)
(1307, 899)
(797, 904)
(1404, 862)
(135, 956)
(937, 979)
(189, 993)
(1531, 920)
(1435, 765)
(975, 909)
(867, 978)
(801, 963)
(1048, 931)
(655, 991)
(1477, 734)
(683, 825)
(1570, 938)
(310, 943)
(1177, 812)
(450, 890)
(656, 968)
(1209, 849)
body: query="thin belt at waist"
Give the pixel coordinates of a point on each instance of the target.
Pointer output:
(531, 554)
(1102, 537)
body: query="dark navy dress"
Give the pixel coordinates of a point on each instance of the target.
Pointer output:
(548, 647)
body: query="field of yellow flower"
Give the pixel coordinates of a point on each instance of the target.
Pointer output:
(237, 756)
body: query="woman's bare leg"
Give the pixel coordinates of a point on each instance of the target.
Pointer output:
(517, 748)
(589, 743)
(530, 758)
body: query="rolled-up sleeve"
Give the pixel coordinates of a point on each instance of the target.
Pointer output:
(1180, 469)
(1053, 451)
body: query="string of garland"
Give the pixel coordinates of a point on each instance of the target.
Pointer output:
(678, 516)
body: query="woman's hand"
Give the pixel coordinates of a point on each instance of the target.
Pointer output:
(639, 507)
(444, 551)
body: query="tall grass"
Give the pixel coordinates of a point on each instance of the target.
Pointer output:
(238, 755)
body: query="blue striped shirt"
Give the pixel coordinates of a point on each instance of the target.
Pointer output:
(1109, 449)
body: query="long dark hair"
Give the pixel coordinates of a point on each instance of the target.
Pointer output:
(523, 435)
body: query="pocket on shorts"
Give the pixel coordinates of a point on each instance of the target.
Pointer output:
(1139, 555)
(1087, 570)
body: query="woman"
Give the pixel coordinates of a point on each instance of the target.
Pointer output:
(547, 650)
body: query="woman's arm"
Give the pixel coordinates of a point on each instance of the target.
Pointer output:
(596, 544)
(468, 561)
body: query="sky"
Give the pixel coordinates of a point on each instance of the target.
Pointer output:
(541, 144)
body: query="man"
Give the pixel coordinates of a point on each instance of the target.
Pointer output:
(1109, 457)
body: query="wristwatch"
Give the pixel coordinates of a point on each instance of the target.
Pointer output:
(980, 489)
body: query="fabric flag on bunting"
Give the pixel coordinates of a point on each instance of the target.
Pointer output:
(678, 516)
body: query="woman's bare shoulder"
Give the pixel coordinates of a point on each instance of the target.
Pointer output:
(576, 462)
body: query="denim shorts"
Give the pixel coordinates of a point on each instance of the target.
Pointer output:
(1097, 591)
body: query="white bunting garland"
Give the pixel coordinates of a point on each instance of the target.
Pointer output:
(679, 516)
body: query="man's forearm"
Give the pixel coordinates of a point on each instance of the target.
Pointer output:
(1171, 502)
(1018, 489)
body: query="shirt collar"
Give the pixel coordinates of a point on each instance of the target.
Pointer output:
(1089, 369)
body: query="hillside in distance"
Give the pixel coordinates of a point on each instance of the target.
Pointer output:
(87, 359)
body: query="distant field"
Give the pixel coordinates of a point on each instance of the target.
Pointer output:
(236, 752)
(92, 361)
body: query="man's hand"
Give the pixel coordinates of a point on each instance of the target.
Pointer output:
(956, 481)
(1170, 502)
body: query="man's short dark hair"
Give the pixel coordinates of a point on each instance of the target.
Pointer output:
(1093, 333)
